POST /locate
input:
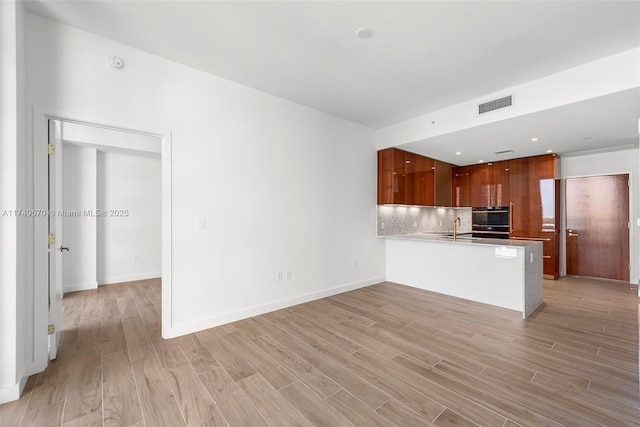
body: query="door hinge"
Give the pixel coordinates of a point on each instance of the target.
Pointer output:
(51, 329)
(52, 239)
(52, 149)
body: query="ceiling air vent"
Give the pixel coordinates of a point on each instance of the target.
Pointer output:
(496, 104)
(503, 152)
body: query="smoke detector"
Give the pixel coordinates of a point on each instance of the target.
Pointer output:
(115, 62)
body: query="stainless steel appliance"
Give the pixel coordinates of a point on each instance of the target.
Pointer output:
(490, 221)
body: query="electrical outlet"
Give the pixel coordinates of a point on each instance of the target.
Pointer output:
(135, 258)
(415, 224)
(382, 225)
(280, 276)
(440, 223)
(289, 274)
(355, 264)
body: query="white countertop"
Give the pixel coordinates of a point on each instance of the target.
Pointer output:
(462, 239)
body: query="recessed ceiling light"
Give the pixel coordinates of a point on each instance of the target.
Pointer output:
(363, 32)
(549, 151)
(480, 161)
(534, 139)
(458, 153)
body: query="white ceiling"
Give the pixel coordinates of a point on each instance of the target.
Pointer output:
(422, 56)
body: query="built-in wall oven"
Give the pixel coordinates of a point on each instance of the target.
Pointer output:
(490, 221)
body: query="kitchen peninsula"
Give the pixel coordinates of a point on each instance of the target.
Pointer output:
(501, 272)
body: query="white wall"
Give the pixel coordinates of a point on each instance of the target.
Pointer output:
(611, 163)
(16, 282)
(79, 231)
(282, 187)
(129, 237)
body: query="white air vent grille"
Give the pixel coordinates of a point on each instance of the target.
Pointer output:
(503, 152)
(496, 104)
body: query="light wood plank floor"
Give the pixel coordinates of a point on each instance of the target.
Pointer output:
(380, 356)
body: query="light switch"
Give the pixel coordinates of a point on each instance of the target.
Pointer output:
(202, 223)
(638, 222)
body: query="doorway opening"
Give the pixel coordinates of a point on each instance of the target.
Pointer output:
(99, 169)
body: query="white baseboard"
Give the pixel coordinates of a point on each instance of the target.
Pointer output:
(80, 287)
(12, 392)
(212, 322)
(129, 278)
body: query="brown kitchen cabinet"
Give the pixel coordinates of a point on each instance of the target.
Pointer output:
(443, 183)
(529, 186)
(534, 193)
(461, 186)
(421, 180)
(481, 185)
(410, 179)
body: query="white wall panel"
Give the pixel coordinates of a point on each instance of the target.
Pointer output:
(129, 235)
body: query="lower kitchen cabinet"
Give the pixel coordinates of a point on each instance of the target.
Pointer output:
(550, 253)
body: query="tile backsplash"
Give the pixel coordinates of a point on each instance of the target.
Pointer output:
(416, 219)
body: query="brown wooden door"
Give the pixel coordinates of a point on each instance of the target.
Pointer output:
(598, 226)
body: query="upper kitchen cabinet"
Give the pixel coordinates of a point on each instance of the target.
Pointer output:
(410, 179)
(443, 183)
(481, 185)
(385, 176)
(519, 197)
(461, 186)
(421, 181)
(533, 195)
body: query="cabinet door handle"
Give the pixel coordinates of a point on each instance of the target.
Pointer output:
(535, 239)
(511, 216)
(546, 256)
(573, 234)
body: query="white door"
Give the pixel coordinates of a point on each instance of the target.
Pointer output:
(56, 250)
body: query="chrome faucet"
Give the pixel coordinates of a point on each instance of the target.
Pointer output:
(456, 222)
